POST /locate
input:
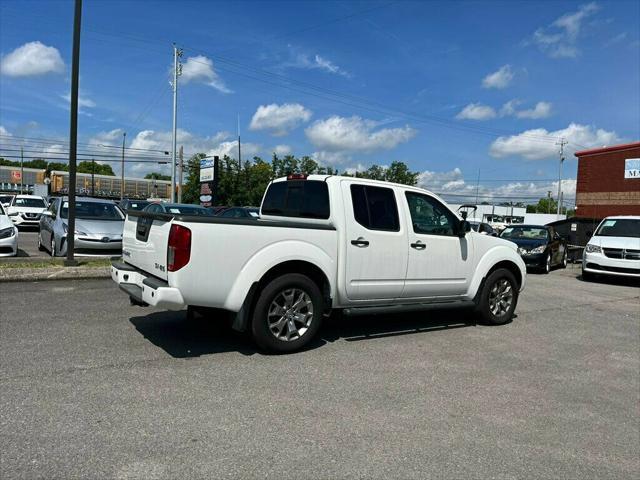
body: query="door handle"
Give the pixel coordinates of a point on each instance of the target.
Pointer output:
(360, 242)
(418, 245)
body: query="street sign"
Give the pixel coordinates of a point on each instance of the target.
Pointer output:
(16, 176)
(208, 181)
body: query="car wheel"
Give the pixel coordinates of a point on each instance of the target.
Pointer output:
(564, 260)
(287, 314)
(498, 298)
(53, 251)
(547, 264)
(587, 276)
(40, 246)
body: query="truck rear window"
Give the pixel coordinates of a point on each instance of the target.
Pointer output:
(297, 198)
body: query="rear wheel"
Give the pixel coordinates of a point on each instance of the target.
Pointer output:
(498, 298)
(287, 314)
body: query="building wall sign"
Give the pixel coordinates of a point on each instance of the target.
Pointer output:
(632, 168)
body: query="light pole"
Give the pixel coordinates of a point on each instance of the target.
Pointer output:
(124, 137)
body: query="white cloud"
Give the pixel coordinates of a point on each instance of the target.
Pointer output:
(82, 100)
(476, 111)
(282, 150)
(331, 158)
(541, 110)
(112, 138)
(317, 62)
(453, 182)
(353, 134)
(279, 119)
(499, 79)
(32, 59)
(200, 69)
(5, 132)
(559, 40)
(538, 144)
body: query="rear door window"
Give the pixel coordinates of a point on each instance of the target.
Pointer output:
(297, 198)
(375, 208)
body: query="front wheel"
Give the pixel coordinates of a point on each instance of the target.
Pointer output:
(547, 264)
(564, 260)
(498, 298)
(53, 250)
(287, 314)
(40, 246)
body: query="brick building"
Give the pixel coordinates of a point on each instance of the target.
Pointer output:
(608, 181)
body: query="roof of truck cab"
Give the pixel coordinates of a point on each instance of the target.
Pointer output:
(368, 181)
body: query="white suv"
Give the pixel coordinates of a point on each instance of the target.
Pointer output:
(614, 249)
(26, 210)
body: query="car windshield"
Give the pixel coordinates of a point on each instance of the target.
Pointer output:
(93, 211)
(627, 227)
(525, 233)
(188, 210)
(5, 198)
(29, 202)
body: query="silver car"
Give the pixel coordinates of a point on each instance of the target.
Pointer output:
(99, 225)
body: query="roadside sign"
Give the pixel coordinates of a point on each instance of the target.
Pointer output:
(16, 176)
(632, 168)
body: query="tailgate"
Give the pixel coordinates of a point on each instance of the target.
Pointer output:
(144, 242)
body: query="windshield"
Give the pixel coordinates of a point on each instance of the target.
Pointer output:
(525, 233)
(93, 211)
(619, 228)
(189, 210)
(29, 202)
(5, 198)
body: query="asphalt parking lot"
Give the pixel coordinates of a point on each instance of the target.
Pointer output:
(28, 243)
(94, 388)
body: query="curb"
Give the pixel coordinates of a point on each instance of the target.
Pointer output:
(53, 273)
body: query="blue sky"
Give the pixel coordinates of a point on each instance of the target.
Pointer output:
(450, 88)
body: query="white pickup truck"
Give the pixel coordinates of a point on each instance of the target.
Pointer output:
(322, 243)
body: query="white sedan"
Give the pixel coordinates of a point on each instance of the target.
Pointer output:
(8, 235)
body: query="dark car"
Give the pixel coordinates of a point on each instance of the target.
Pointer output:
(482, 227)
(540, 246)
(178, 208)
(132, 204)
(239, 212)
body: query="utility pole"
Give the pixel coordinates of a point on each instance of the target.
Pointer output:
(239, 154)
(124, 137)
(177, 70)
(180, 169)
(73, 134)
(549, 201)
(562, 143)
(477, 187)
(93, 173)
(21, 170)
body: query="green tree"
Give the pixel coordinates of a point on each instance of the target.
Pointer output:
(94, 167)
(191, 192)
(157, 176)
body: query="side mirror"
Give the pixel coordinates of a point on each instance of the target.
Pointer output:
(463, 228)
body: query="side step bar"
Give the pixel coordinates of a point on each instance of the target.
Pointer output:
(415, 307)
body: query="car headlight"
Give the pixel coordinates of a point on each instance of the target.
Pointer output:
(590, 248)
(7, 232)
(522, 251)
(539, 249)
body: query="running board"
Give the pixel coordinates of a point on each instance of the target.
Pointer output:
(414, 307)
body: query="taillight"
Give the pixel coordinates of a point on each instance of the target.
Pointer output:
(297, 176)
(179, 247)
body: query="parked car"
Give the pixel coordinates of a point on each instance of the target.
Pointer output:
(178, 208)
(614, 249)
(132, 204)
(540, 246)
(239, 212)
(483, 228)
(322, 243)
(25, 210)
(8, 235)
(5, 200)
(98, 228)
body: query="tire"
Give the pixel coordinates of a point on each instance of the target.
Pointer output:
(299, 303)
(588, 276)
(40, 246)
(500, 283)
(547, 264)
(53, 251)
(563, 264)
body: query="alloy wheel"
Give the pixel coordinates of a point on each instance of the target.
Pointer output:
(500, 297)
(290, 314)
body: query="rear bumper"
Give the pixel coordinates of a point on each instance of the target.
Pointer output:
(144, 288)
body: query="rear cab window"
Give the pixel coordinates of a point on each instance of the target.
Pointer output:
(297, 199)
